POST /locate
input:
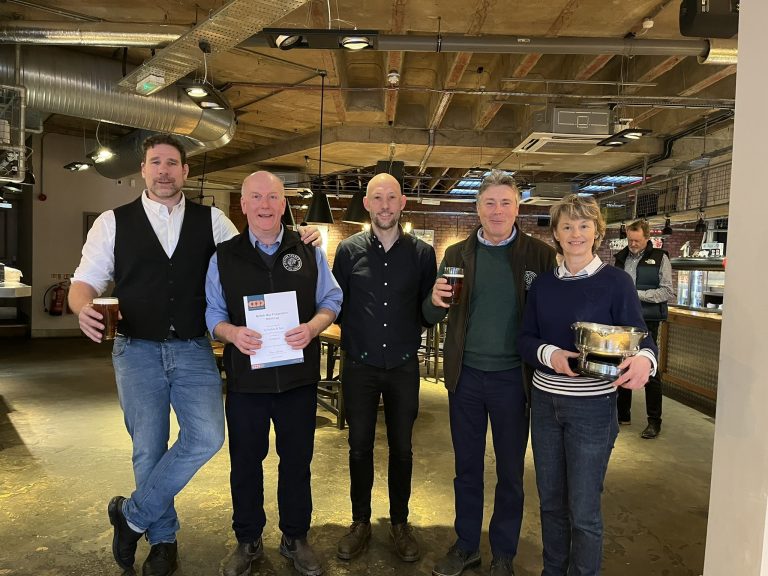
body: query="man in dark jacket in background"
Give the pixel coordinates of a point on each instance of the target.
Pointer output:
(651, 271)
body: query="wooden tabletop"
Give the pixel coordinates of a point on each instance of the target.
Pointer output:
(332, 335)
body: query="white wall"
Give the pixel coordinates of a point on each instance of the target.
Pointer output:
(57, 222)
(736, 532)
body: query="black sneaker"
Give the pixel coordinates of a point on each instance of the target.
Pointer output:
(124, 540)
(163, 559)
(502, 567)
(454, 563)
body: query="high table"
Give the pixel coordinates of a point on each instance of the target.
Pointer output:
(329, 392)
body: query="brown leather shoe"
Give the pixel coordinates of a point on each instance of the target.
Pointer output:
(355, 541)
(304, 558)
(406, 546)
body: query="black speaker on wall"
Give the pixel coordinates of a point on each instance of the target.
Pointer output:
(395, 167)
(709, 18)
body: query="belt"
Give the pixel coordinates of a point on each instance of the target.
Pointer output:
(172, 335)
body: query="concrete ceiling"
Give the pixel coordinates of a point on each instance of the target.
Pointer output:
(452, 110)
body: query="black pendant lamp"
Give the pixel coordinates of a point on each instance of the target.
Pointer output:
(320, 209)
(667, 230)
(701, 226)
(622, 231)
(287, 219)
(356, 212)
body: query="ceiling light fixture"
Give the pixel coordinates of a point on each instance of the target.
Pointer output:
(196, 91)
(701, 225)
(624, 137)
(287, 219)
(667, 230)
(356, 212)
(622, 231)
(355, 42)
(288, 41)
(77, 166)
(101, 155)
(320, 209)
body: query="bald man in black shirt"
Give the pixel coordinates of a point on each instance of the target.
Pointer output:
(385, 274)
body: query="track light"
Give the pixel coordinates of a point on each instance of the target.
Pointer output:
(287, 41)
(77, 166)
(624, 137)
(197, 91)
(101, 155)
(356, 42)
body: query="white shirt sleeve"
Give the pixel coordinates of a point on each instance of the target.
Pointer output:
(223, 229)
(97, 264)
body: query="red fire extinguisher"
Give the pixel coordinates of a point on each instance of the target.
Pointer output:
(58, 298)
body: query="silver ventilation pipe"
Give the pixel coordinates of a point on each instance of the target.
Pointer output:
(59, 81)
(111, 34)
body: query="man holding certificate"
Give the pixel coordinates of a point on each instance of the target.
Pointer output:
(269, 296)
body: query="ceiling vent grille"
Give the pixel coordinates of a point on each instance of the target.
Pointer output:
(567, 131)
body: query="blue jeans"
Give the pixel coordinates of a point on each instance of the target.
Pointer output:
(500, 397)
(572, 438)
(153, 377)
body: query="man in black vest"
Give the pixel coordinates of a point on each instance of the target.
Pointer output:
(385, 274)
(156, 249)
(651, 270)
(265, 258)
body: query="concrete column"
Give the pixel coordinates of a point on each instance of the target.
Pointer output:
(737, 539)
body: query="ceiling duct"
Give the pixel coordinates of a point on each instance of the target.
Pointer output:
(71, 83)
(567, 131)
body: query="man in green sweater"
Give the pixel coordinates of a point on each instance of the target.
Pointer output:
(484, 373)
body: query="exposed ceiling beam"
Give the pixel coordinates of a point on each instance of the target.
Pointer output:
(458, 64)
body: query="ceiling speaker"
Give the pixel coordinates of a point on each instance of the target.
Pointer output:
(709, 18)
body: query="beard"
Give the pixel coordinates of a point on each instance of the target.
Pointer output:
(385, 225)
(166, 190)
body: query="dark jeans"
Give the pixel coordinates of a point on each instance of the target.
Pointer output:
(479, 396)
(363, 385)
(572, 438)
(652, 390)
(248, 420)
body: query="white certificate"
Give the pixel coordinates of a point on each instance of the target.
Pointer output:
(272, 315)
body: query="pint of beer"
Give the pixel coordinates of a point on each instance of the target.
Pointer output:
(455, 278)
(108, 308)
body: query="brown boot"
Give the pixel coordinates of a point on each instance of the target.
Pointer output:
(405, 544)
(354, 541)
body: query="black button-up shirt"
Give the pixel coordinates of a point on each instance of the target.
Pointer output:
(381, 320)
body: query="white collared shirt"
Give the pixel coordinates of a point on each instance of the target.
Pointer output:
(594, 265)
(504, 242)
(97, 265)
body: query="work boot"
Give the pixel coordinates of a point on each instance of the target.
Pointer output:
(163, 559)
(502, 567)
(239, 560)
(355, 541)
(124, 540)
(406, 546)
(304, 558)
(453, 563)
(652, 430)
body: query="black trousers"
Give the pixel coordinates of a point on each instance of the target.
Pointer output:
(652, 390)
(363, 385)
(248, 421)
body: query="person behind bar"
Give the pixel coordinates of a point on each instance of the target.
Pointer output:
(484, 373)
(573, 417)
(156, 249)
(651, 271)
(385, 274)
(263, 259)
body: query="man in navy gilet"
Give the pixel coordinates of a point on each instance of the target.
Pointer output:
(651, 270)
(156, 249)
(266, 258)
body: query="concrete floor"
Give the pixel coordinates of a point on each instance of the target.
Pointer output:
(64, 452)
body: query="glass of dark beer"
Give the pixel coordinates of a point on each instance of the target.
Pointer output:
(108, 308)
(455, 278)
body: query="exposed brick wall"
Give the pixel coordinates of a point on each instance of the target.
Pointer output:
(451, 229)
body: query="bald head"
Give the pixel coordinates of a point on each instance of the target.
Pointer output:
(383, 181)
(262, 198)
(384, 202)
(263, 179)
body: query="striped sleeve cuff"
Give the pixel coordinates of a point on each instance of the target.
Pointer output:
(544, 354)
(648, 353)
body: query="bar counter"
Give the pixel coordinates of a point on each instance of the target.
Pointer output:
(689, 346)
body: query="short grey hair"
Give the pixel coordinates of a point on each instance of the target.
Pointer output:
(498, 178)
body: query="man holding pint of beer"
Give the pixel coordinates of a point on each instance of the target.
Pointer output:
(483, 288)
